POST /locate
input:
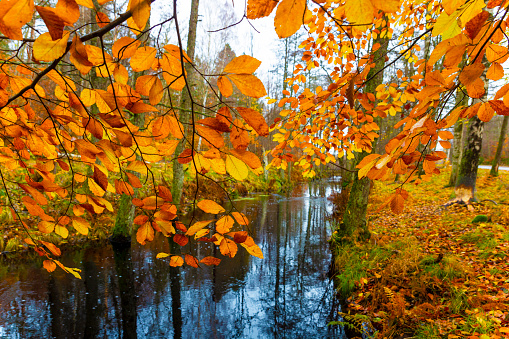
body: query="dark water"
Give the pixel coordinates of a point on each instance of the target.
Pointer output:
(132, 294)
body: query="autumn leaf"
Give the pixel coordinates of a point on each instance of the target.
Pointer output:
(260, 8)
(289, 17)
(191, 261)
(225, 86)
(210, 261)
(254, 119)
(140, 10)
(243, 64)
(176, 261)
(145, 233)
(80, 225)
(359, 11)
(124, 48)
(209, 206)
(240, 218)
(228, 248)
(46, 49)
(224, 224)
(236, 168)
(14, 14)
(248, 85)
(49, 265)
(197, 226)
(180, 239)
(471, 73)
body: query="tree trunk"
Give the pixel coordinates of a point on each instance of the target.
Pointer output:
(186, 104)
(462, 100)
(467, 170)
(354, 224)
(500, 146)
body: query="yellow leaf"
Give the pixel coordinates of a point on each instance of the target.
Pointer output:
(81, 225)
(201, 233)
(141, 12)
(359, 11)
(236, 168)
(46, 226)
(46, 49)
(61, 231)
(243, 64)
(209, 206)
(162, 255)
(387, 6)
(289, 17)
(451, 5)
(252, 248)
(249, 85)
(197, 226)
(447, 26)
(469, 10)
(224, 224)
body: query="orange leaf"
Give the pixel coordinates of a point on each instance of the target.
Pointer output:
(249, 85)
(143, 58)
(209, 206)
(141, 12)
(46, 226)
(211, 137)
(102, 19)
(134, 180)
(495, 72)
(240, 218)
(145, 233)
(252, 248)
(387, 6)
(254, 119)
(289, 17)
(224, 224)
(471, 73)
(211, 261)
(180, 239)
(249, 158)
(191, 261)
(52, 248)
(225, 86)
(476, 89)
(485, 112)
(243, 64)
(397, 204)
(14, 15)
(260, 8)
(228, 248)
(499, 107)
(176, 260)
(239, 136)
(125, 48)
(49, 265)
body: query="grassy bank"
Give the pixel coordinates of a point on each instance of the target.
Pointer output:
(432, 271)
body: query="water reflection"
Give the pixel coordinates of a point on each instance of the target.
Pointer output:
(127, 293)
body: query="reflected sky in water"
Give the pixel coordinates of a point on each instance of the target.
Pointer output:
(130, 294)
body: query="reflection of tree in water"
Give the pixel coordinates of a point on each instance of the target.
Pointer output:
(283, 295)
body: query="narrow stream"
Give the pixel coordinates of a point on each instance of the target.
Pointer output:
(131, 294)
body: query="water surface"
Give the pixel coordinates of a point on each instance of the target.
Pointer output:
(132, 294)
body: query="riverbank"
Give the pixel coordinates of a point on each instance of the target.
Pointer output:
(432, 271)
(13, 246)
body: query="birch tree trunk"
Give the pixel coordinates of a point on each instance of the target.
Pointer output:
(500, 146)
